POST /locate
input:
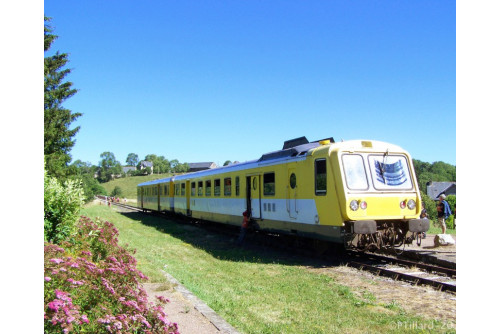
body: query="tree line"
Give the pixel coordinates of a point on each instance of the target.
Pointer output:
(109, 167)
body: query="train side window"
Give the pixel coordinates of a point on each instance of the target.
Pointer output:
(269, 184)
(237, 185)
(200, 188)
(208, 188)
(320, 176)
(193, 189)
(217, 187)
(168, 190)
(177, 189)
(183, 189)
(293, 181)
(227, 186)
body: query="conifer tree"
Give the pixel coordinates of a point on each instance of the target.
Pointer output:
(57, 119)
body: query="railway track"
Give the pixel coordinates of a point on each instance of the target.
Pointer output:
(417, 273)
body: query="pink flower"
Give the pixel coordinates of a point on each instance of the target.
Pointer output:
(72, 281)
(47, 279)
(55, 304)
(85, 319)
(56, 260)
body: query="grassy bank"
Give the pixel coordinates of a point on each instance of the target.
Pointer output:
(129, 184)
(256, 290)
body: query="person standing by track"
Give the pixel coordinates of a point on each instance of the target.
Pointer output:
(443, 211)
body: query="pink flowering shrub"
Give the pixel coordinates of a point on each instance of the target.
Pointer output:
(93, 286)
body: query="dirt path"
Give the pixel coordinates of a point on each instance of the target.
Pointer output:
(180, 310)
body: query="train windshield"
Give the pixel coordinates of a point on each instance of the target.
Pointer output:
(390, 172)
(386, 171)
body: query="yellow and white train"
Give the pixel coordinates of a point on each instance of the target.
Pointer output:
(361, 193)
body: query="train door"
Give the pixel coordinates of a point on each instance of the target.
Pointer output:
(253, 195)
(291, 201)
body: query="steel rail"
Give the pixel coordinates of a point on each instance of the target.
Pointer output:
(442, 286)
(407, 263)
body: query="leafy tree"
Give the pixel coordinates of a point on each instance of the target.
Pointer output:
(163, 165)
(181, 168)
(173, 165)
(228, 162)
(109, 167)
(132, 159)
(57, 119)
(108, 160)
(82, 167)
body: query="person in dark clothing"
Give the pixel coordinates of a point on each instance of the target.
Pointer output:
(244, 227)
(423, 215)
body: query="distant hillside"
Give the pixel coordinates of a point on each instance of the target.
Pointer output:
(129, 184)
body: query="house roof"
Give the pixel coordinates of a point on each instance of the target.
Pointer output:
(193, 165)
(127, 168)
(146, 163)
(434, 189)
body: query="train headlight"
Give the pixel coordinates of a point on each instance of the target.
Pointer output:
(411, 204)
(354, 205)
(402, 204)
(363, 205)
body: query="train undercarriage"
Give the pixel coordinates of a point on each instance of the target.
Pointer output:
(371, 235)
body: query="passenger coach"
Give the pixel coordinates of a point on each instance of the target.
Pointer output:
(359, 191)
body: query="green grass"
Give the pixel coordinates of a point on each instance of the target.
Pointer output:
(255, 290)
(434, 229)
(129, 184)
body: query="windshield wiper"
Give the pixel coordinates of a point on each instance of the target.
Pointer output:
(382, 165)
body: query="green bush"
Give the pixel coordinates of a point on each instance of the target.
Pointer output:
(117, 191)
(62, 204)
(91, 187)
(430, 206)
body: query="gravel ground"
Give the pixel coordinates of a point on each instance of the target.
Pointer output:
(180, 310)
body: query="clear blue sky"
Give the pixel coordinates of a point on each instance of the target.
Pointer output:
(230, 80)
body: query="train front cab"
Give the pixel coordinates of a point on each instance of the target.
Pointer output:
(379, 190)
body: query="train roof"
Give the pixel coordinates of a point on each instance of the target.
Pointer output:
(295, 149)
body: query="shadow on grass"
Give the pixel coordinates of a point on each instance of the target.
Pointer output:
(224, 247)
